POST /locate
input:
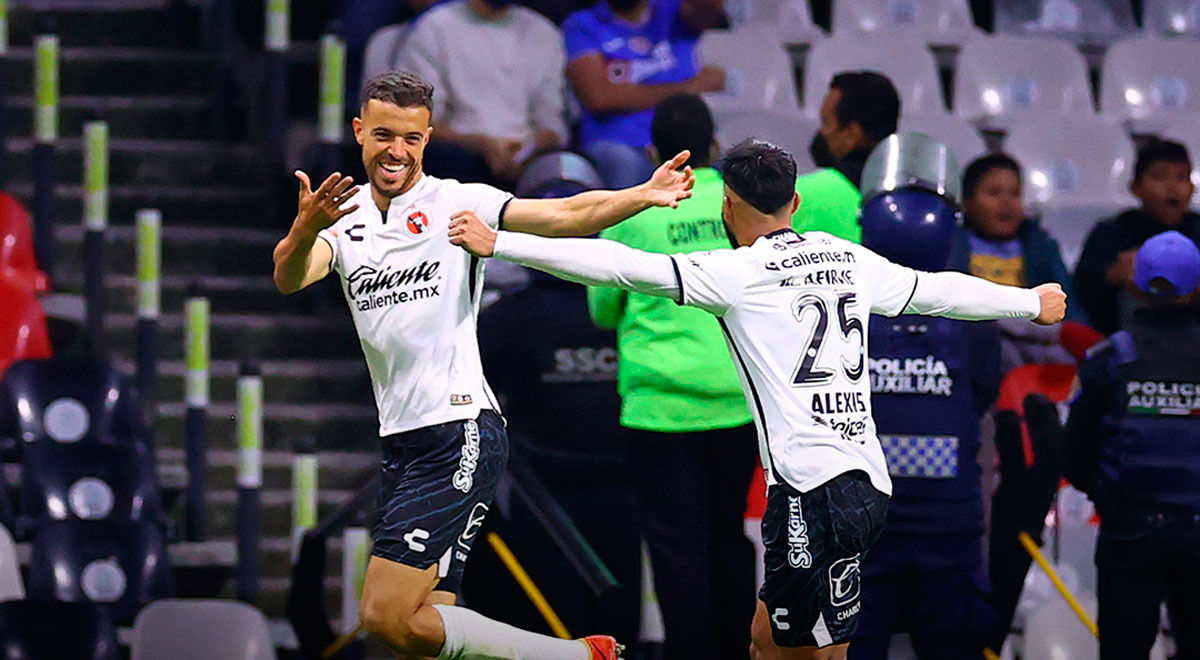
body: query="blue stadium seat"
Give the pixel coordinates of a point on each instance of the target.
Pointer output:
(40, 629)
(69, 401)
(121, 566)
(89, 482)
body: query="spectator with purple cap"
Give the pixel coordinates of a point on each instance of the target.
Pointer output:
(1133, 445)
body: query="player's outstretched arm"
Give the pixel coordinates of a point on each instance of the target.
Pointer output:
(589, 212)
(961, 296)
(590, 261)
(301, 259)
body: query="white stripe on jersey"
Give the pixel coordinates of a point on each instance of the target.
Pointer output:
(414, 298)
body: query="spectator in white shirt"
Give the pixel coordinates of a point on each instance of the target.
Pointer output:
(498, 71)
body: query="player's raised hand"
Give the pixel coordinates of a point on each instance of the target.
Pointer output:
(1054, 303)
(320, 208)
(669, 184)
(472, 234)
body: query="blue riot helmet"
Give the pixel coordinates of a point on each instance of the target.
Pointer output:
(911, 188)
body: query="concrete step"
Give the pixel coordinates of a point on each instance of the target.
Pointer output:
(187, 249)
(334, 427)
(239, 336)
(115, 71)
(213, 205)
(151, 162)
(93, 24)
(285, 381)
(161, 117)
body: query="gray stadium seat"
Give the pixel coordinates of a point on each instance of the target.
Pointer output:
(758, 71)
(1054, 632)
(1094, 22)
(954, 132)
(178, 629)
(383, 50)
(942, 22)
(905, 61)
(791, 130)
(1001, 79)
(1150, 80)
(791, 19)
(1171, 17)
(1072, 162)
(11, 585)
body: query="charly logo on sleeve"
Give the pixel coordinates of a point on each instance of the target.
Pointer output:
(372, 288)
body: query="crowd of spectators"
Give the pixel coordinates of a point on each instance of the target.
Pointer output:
(621, 82)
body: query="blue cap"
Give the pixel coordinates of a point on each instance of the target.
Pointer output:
(1167, 265)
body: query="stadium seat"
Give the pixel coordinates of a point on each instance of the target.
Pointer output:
(383, 50)
(1150, 80)
(71, 401)
(44, 629)
(1000, 79)
(790, 19)
(758, 71)
(558, 174)
(941, 22)
(1054, 632)
(17, 261)
(954, 132)
(791, 130)
(178, 629)
(1090, 22)
(906, 62)
(1171, 17)
(1186, 130)
(12, 587)
(23, 333)
(1072, 162)
(89, 482)
(1071, 223)
(118, 565)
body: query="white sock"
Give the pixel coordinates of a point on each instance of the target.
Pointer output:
(472, 636)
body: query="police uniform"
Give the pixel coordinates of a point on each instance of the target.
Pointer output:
(931, 380)
(1134, 447)
(414, 298)
(558, 387)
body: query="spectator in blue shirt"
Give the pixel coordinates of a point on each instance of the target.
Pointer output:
(624, 57)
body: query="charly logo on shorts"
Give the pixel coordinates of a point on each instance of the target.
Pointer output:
(474, 523)
(464, 478)
(797, 535)
(844, 581)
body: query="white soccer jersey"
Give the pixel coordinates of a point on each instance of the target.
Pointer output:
(794, 309)
(414, 298)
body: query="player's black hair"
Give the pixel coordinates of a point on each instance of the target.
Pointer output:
(683, 122)
(870, 99)
(1160, 151)
(761, 173)
(980, 167)
(399, 88)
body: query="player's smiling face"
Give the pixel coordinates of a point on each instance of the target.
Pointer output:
(393, 143)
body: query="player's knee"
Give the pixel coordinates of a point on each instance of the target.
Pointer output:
(379, 619)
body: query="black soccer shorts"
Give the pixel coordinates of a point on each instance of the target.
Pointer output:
(815, 543)
(438, 483)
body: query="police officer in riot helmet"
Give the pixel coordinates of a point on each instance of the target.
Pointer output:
(931, 380)
(1133, 445)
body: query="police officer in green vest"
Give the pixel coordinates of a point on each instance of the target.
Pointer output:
(861, 108)
(694, 446)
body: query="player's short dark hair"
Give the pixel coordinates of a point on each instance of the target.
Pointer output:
(399, 88)
(683, 122)
(1159, 151)
(761, 173)
(980, 167)
(870, 99)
